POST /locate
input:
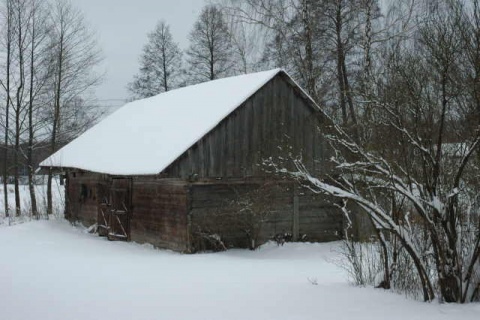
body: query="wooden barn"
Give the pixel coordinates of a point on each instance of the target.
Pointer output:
(190, 169)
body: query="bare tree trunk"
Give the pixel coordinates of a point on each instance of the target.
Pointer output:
(386, 264)
(7, 111)
(348, 93)
(340, 58)
(165, 70)
(56, 120)
(18, 108)
(16, 164)
(31, 183)
(212, 62)
(74, 54)
(311, 81)
(427, 288)
(345, 91)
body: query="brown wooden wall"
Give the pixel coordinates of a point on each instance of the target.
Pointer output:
(82, 197)
(282, 207)
(159, 207)
(160, 213)
(275, 122)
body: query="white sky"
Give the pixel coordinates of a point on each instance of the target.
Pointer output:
(122, 27)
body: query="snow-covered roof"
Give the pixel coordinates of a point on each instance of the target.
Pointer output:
(145, 136)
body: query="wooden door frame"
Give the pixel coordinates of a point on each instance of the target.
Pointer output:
(106, 210)
(129, 190)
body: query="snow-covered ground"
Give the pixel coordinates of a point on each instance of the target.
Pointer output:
(51, 270)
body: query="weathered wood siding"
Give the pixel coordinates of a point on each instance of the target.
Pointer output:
(275, 122)
(82, 197)
(319, 219)
(281, 207)
(160, 213)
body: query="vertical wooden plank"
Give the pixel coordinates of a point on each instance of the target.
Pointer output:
(257, 138)
(206, 157)
(230, 142)
(274, 118)
(308, 132)
(266, 122)
(211, 141)
(286, 120)
(218, 152)
(314, 144)
(188, 192)
(320, 158)
(277, 126)
(261, 133)
(180, 165)
(201, 158)
(300, 111)
(221, 150)
(283, 126)
(234, 142)
(293, 123)
(238, 141)
(190, 168)
(249, 127)
(194, 162)
(243, 133)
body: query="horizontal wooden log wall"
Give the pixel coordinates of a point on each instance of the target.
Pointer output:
(319, 219)
(170, 213)
(221, 210)
(82, 197)
(159, 214)
(159, 207)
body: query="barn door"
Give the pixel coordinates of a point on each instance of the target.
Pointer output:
(120, 210)
(103, 209)
(114, 209)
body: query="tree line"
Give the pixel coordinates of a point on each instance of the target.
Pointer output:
(398, 86)
(46, 71)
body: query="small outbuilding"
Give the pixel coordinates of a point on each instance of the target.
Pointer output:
(191, 169)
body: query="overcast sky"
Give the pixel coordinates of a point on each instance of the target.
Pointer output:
(122, 27)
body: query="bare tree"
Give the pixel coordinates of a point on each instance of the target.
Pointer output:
(416, 181)
(22, 18)
(317, 42)
(210, 53)
(8, 12)
(47, 71)
(18, 25)
(39, 76)
(74, 55)
(160, 64)
(291, 34)
(248, 39)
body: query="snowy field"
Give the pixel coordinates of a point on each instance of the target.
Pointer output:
(51, 270)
